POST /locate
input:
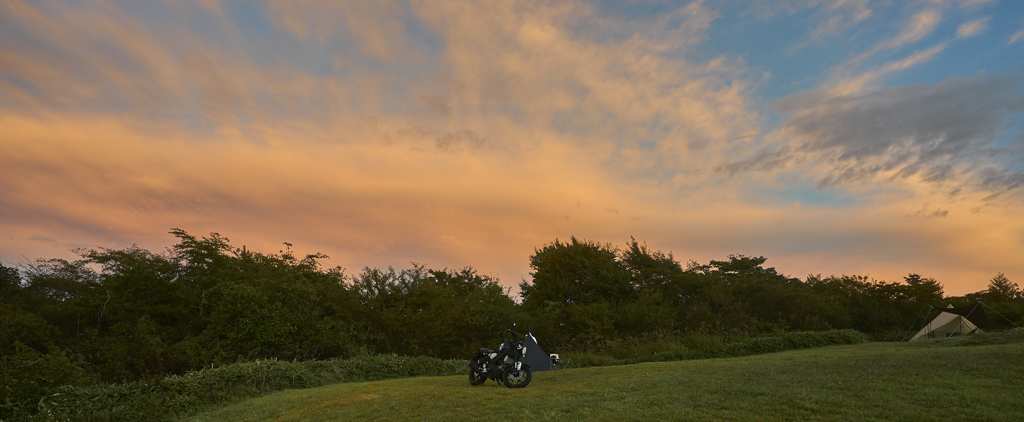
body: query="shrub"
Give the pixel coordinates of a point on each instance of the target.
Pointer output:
(176, 396)
(708, 347)
(27, 375)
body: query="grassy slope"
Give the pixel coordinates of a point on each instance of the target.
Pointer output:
(971, 378)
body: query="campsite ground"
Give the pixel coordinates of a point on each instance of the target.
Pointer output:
(967, 378)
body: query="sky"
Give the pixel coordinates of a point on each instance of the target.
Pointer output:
(860, 137)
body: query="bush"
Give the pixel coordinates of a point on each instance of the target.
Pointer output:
(176, 396)
(27, 375)
(708, 347)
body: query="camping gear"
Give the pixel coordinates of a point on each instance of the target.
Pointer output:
(503, 365)
(957, 321)
(558, 363)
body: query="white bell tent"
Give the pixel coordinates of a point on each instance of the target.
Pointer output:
(954, 322)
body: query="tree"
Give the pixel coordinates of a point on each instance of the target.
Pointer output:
(578, 272)
(1005, 298)
(10, 284)
(576, 291)
(1001, 289)
(741, 293)
(649, 269)
(665, 293)
(139, 283)
(410, 311)
(19, 327)
(274, 305)
(742, 269)
(67, 294)
(922, 290)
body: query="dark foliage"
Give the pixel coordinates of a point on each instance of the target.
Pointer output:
(132, 317)
(174, 396)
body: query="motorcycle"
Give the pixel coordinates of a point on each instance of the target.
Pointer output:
(503, 365)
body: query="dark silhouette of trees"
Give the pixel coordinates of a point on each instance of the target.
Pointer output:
(128, 314)
(441, 313)
(578, 288)
(578, 272)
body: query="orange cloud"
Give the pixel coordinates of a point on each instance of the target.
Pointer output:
(523, 127)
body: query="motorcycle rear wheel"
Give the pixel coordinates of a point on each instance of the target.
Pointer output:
(517, 379)
(476, 378)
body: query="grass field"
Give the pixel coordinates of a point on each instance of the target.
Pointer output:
(968, 378)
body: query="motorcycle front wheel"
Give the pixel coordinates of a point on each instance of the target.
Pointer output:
(513, 378)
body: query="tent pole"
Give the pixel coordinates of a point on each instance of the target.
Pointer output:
(997, 313)
(972, 309)
(929, 307)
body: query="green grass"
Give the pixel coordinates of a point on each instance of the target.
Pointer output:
(176, 397)
(969, 378)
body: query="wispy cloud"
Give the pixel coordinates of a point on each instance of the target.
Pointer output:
(518, 120)
(914, 29)
(859, 83)
(937, 134)
(834, 17)
(842, 15)
(374, 24)
(975, 3)
(1017, 37)
(469, 133)
(972, 28)
(927, 212)
(852, 129)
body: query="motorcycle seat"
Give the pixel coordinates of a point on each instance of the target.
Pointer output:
(486, 350)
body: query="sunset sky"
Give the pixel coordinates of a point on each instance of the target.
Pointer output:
(876, 138)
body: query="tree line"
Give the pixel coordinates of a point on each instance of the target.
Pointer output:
(131, 314)
(584, 290)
